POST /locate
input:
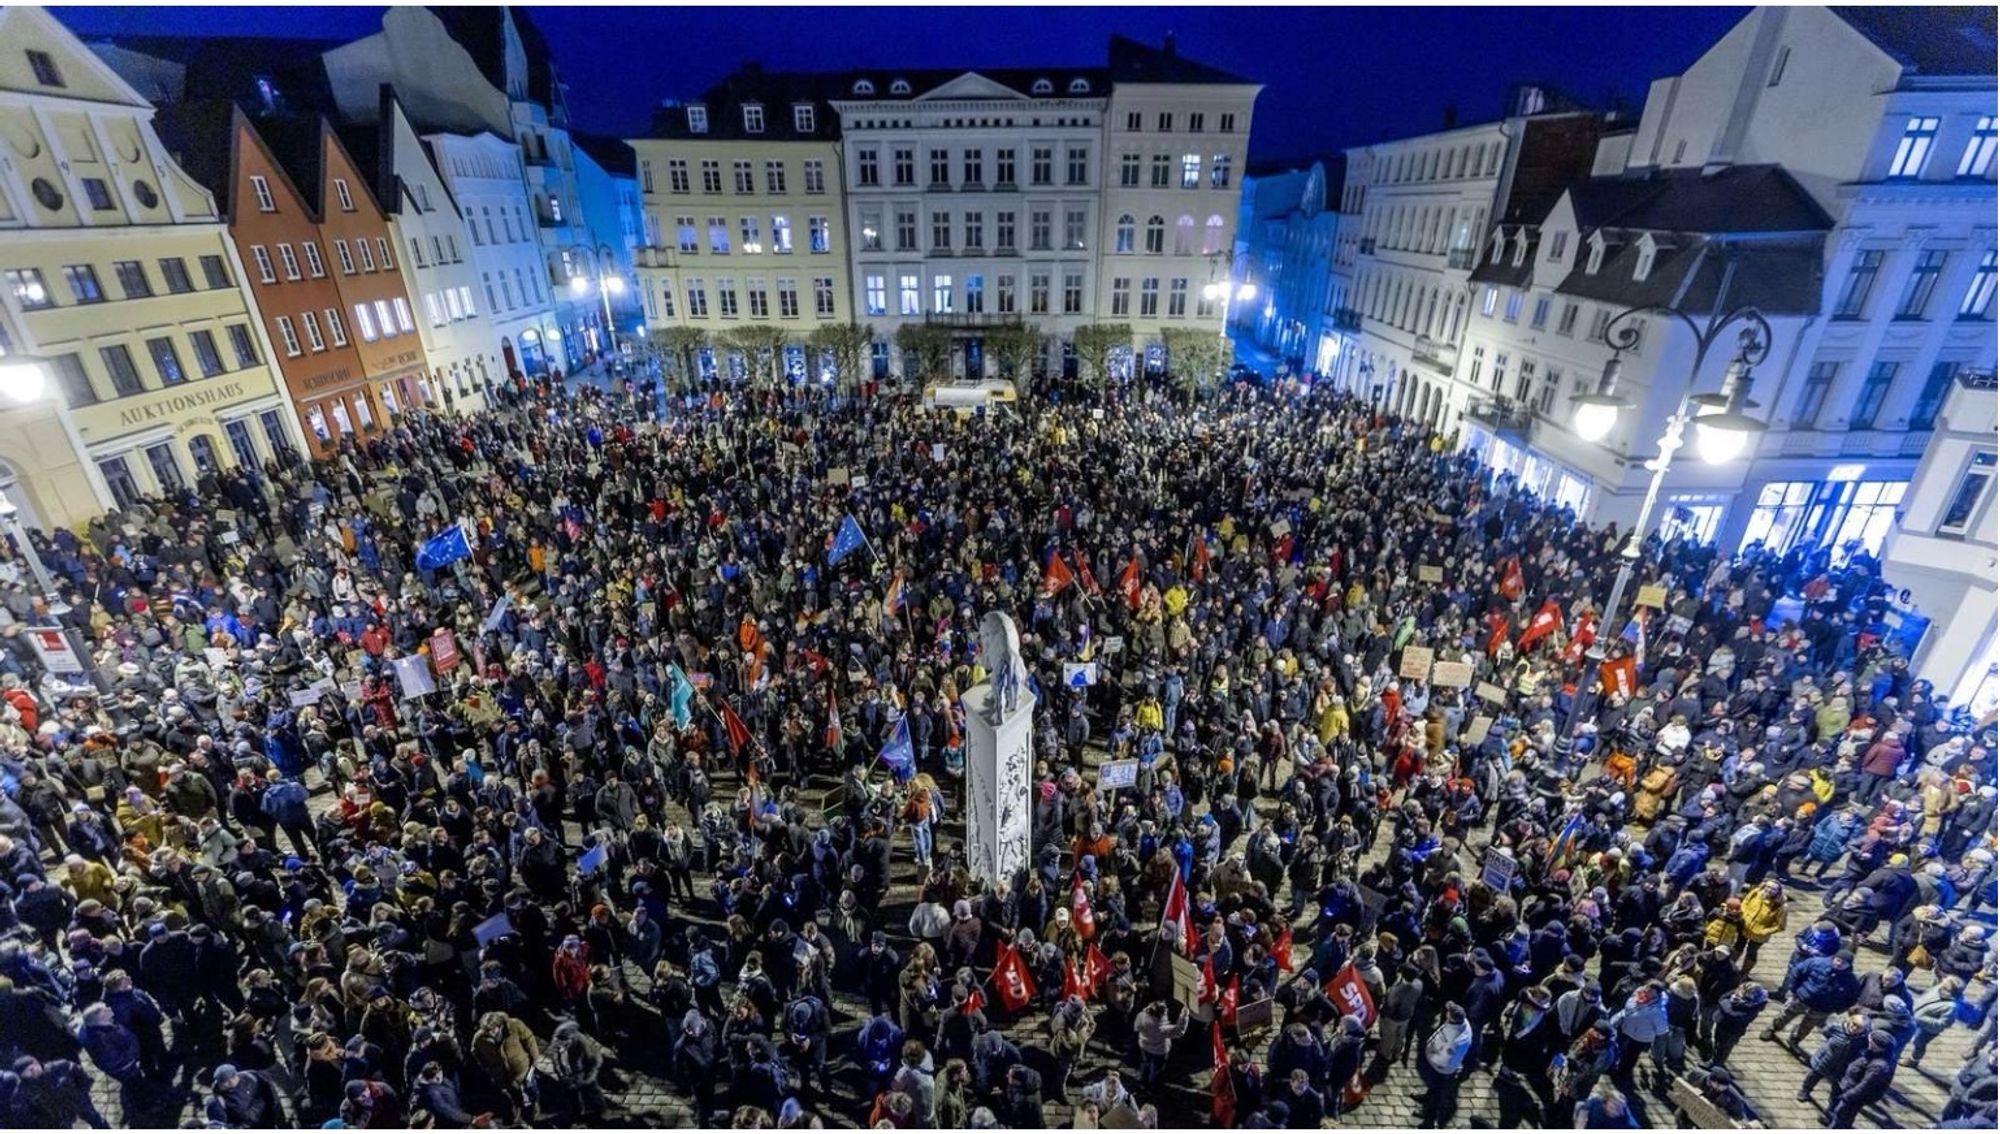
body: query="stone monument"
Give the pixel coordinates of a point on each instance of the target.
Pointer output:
(1000, 726)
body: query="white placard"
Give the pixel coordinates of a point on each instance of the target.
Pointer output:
(413, 673)
(53, 648)
(1079, 675)
(311, 694)
(937, 451)
(1456, 675)
(1117, 774)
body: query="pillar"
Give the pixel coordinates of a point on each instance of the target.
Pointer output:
(998, 776)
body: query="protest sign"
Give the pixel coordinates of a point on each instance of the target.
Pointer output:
(1490, 692)
(311, 694)
(413, 674)
(1475, 732)
(1653, 595)
(937, 451)
(1497, 869)
(1456, 675)
(1253, 1017)
(1416, 663)
(1430, 573)
(1281, 529)
(1187, 982)
(1117, 774)
(444, 652)
(836, 476)
(1079, 675)
(53, 648)
(493, 929)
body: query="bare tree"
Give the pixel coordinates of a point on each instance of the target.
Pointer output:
(683, 345)
(1014, 349)
(1194, 358)
(1095, 345)
(763, 350)
(848, 344)
(931, 345)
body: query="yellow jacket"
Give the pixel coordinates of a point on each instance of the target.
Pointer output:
(1763, 917)
(1149, 715)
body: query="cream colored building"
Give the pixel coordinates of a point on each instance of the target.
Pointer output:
(117, 275)
(744, 214)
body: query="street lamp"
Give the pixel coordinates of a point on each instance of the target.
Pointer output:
(1722, 429)
(606, 285)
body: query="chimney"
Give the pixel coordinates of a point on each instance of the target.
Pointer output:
(1450, 115)
(1167, 48)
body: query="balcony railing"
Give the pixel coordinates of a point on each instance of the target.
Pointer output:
(1439, 356)
(1503, 416)
(1461, 258)
(1347, 318)
(965, 320)
(1368, 246)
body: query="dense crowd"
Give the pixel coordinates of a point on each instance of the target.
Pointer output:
(349, 825)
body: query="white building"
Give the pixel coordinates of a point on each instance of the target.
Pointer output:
(1942, 547)
(484, 174)
(1287, 265)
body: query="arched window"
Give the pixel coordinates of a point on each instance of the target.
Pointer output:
(1211, 237)
(863, 87)
(1079, 86)
(1156, 234)
(1184, 236)
(1127, 228)
(1042, 87)
(899, 87)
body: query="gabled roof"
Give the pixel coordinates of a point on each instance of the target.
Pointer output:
(1506, 273)
(776, 91)
(1777, 277)
(1135, 62)
(1930, 41)
(200, 137)
(294, 142)
(369, 148)
(1737, 199)
(1021, 82)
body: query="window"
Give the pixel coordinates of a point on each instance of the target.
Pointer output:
(1218, 172)
(1177, 294)
(760, 299)
(1003, 230)
(905, 165)
(1923, 284)
(1488, 300)
(677, 175)
(1149, 298)
(1963, 505)
(941, 294)
(815, 174)
(124, 375)
(215, 274)
(367, 254)
(1073, 293)
(1040, 226)
(1042, 87)
(1567, 324)
(1190, 171)
(823, 297)
(132, 279)
(340, 191)
(1121, 296)
(174, 270)
(906, 230)
(1126, 233)
(98, 192)
(1128, 171)
(908, 301)
(745, 177)
(1211, 235)
(802, 118)
(1163, 171)
(1003, 295)
(1931, 399)
(1874, 393)
(774, 177)
(875, 295)
(291, 260)
(242, 345)
(73, 381)
(1196, 122)
(748, 228)
(819, 235)
(1513, 314)
(1914, 151)
(725, 298)
(1978, 301)
(711, 176)
(753, 119)
(940, 169)
(336, 328)
(1977, 160)
(867, 170)
(310, 322)
(83, 283)
(44, 66)
(1778, 66)
(1038, 293)
(1074, 221)
(1599, 320)
(781, 235)
(1558, 245)
(697, 299)
(1229, 123)
(1184, 236)
(975, 231)
(697, 119)
(262, 188)
(382, 246)
(718, 236)
(364, 321)
(1042, 165)
(788, 299)
(1003, 167)
(1860, 281)
(1156, 235)
(316, 266)
(1540, 318)
(1078, 166)
(166, 467)
(403, 321)
(1165, 123)
(206, 356)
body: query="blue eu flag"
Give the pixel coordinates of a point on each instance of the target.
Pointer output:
(899, 754)
(443, 549)
(846, 541)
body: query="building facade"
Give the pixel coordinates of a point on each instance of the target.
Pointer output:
(608, 184)
(119, 279)
(483, 172)
(1292, 221)
(1942, 547)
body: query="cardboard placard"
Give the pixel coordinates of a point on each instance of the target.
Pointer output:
(1476, 730)
(1254, 1016)
(1117, 774)
(857, 481)
(1113, 646)
(1491, 693)
(216, 656)
(1653, 595)
(1187, 982)
(836, 476)
(1281, 529)
(937, 451)
(1416, 663)
(1457, 675)
(53, 648)
(1497, 870)
(1430, 573)
(444, 652)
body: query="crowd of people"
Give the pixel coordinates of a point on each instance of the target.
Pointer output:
(500, 760)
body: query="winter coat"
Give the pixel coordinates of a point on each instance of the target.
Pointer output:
(1763, 916)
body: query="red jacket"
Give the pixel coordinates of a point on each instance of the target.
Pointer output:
(1883, 756)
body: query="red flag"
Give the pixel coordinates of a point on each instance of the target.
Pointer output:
(1496, 622)
(1200, 556)
(974, 1002)
(1208, 991)
(1090, 586)
(1281, 950)
(1011, 980)
(1222, 1107)
(1226, 1007)
(1128, 582)
(893, 600)
(1075, 983)
(1096, 967)
(1080, 914)
(739, 733)
(835, 736)
(1512, 582)
(1541, 625)
(1056, 576)
(1176, 915)
(1283, 552)
(1349, 994)
(1620, 675)
(815, 661)
(1580, 638)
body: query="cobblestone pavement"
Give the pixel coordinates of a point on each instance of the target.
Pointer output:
(1768, 1073)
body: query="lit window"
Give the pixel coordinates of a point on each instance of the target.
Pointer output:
(1978, 302)
(1919, 136)
(697, 119)
(1978, 159)
(753, 119)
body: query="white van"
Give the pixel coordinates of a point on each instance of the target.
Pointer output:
(968, 396)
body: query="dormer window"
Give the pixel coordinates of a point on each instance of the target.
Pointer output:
(753, 119)
(863, 87)
(697, 120)
(1596, 260)
(1558, 245)
(1079, 86)
(802, 118)
(899, 87)
(1043, 87)
(1647, 250)
(1520, 247)
(1499, 242)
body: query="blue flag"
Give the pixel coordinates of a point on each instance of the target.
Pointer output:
(682, 698)
(899, 754)
(846, 541)
(443, 549)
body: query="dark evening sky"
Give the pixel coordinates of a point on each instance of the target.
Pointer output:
(1333, 76)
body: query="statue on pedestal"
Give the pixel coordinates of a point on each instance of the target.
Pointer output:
(1000, 653)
